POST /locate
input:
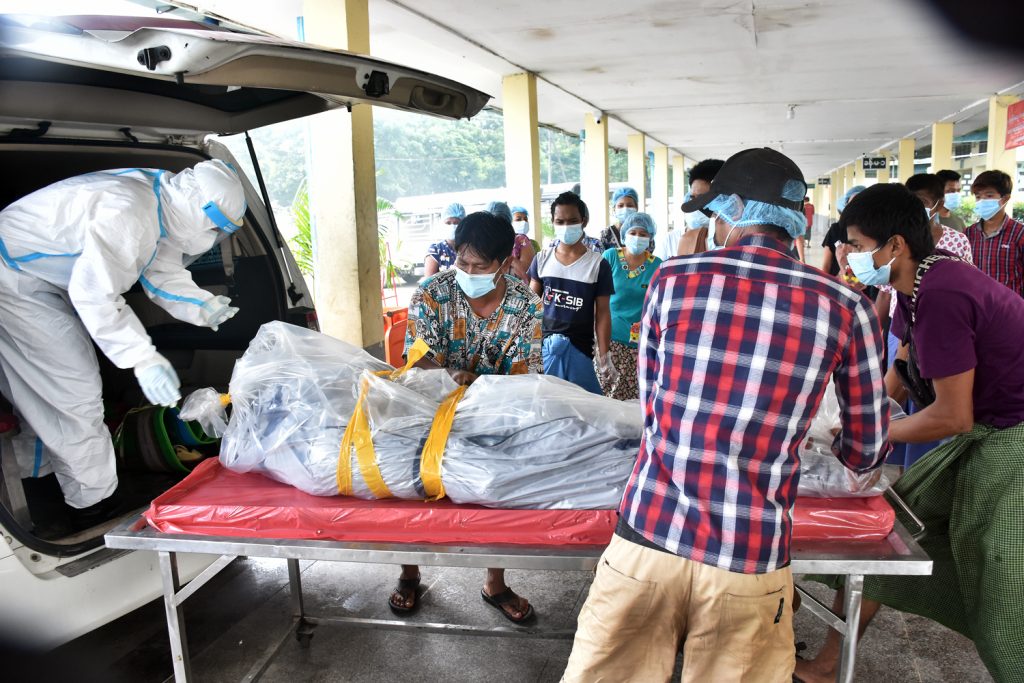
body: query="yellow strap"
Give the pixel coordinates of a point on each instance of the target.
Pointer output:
(225, 400)
(357, 433)
(417, 351)
(433, 449)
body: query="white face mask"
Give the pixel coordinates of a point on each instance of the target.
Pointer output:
(521, 227)
(448, 231)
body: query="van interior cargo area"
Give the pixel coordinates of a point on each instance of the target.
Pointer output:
(241, 267)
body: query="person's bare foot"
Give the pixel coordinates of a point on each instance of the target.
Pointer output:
(810, 671)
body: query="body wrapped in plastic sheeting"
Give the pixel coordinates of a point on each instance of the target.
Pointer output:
(822, 475)
(524, 441)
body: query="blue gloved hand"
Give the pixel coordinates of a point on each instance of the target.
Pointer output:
(218, 311)
(158, 381)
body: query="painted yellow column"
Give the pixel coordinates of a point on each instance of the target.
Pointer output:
(848, 177)
(942, 146)
(343, 192)
(833, 195)
(859, 174)
(998, 158)
(883, 173)
(906, 158)
(522, 145)
(659, 189)
(637, 167)
(679, 188)
(595, 172)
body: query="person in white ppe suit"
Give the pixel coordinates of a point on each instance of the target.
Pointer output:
(70, 251)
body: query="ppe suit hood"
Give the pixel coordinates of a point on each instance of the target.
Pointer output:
(184, 196)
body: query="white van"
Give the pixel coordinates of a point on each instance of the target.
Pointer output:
(82, 94)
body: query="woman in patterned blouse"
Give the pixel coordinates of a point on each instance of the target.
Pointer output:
(477, 320)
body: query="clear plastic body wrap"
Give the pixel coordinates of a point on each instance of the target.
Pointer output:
(822, 475)
(206, 407)
(526, 441)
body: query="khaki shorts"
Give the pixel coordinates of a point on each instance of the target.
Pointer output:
(644, 604)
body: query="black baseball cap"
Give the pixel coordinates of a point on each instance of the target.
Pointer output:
(760, 174)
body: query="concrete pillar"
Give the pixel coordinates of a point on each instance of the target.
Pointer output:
(942, 146)
(883, 173)
(834, 194)
(594, 179)
(998, 158)
(522, 145)
(679, 188)
(848, 177)
(343, 192)
(860, 176)
(637, 167)
(906, 158)
(659, 209)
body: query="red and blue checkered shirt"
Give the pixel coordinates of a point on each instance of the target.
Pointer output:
(1000, 256)
(736, 350)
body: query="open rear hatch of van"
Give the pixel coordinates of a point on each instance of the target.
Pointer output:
(165, 78)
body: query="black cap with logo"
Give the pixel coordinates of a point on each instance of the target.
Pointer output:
(760, 174)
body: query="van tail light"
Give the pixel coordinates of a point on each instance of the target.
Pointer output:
(312, 322)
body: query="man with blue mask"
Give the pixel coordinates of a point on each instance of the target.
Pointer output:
(477, 320)
(70, 251)
(625, 202)
(575, 285)
(737, 347)
(962, 362)
(951, 200)
(694, 239)
(997, 239)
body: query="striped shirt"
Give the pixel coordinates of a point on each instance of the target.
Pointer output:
(1001, 255)
(736, 349)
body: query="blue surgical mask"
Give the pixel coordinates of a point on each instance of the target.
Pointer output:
(862, 263)
(475, 286)
(623, 213)
(986, 208)
(521, 227)
(636, 245)
(697, 219)
(951, 200)
(569, 234)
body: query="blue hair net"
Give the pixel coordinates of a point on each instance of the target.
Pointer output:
(740, 213)
(501, 210)
(454, 210)
(638, 220)
(845, 199)
(520, 209)
(625, 192)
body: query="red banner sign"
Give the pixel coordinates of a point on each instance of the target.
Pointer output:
(1015, 125)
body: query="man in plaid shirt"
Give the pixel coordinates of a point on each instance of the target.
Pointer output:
(997, 240)
(737, 347)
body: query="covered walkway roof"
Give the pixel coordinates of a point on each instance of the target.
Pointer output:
(825, 81)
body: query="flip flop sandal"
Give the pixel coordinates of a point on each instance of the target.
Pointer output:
(503, 598)
(405, 585)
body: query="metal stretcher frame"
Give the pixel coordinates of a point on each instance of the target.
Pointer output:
(897, 554)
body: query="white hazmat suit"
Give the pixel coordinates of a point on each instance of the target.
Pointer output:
(69, 252)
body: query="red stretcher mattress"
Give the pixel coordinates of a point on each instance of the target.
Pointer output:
(215, 501)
